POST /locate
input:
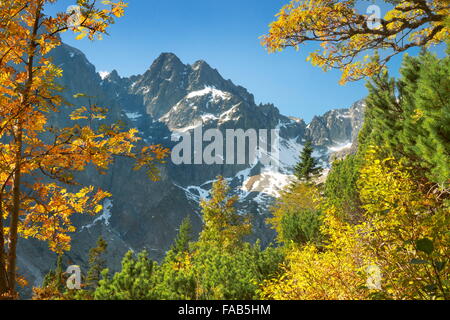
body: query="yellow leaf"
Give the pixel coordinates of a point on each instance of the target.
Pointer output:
(80, 36)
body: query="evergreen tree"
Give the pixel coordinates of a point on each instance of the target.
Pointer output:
(134, 282)
(184, 237)
(174, 278)
(384, 113)
(341, 187)
(410, 118)
(54, 278)
(296, 215)
(97, 263)
(425, 89)
(53, 285)
(307, 168)
(233, 275)
(301, 226)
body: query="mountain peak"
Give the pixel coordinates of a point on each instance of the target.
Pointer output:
(204, 75)
(167, 58)
(113, 75)
(201, 64)
(166, 63)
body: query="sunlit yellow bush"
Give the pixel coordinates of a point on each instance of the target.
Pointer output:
(405, 235)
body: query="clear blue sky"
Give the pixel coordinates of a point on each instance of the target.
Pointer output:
(226, 35)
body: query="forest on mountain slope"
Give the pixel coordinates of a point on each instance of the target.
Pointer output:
(377, 228)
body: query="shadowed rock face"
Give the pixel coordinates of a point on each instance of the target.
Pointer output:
(169, 98)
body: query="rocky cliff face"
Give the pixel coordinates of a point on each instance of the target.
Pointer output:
(170, 99)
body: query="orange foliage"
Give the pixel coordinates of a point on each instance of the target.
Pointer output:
(31, 148)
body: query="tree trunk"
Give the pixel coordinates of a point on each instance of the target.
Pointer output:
(12, 258)
(13, 237)
(3, 275)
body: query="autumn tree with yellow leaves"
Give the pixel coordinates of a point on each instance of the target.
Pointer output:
(348, 37)
(37, 160)
(398, 223)
(404, 235)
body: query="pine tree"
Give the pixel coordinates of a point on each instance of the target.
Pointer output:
(409, 118)
(134, 282)
(307, 168)
(53, 285)
(181, 243)
(296, 215)
(340, 187)
(425, 89)
(384, 115)
(96, 263)
(54, 277)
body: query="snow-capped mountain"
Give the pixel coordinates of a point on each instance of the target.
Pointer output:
(168, 99)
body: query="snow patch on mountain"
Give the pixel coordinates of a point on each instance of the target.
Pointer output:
(104, 217)
(194, 193)
(208, 117)
(133, 115)
(268, 182)
(228, 115)
(177, 133)
(215, 94)
(104, 74)
(340, 147)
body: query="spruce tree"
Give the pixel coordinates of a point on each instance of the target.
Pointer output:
(307, 168)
